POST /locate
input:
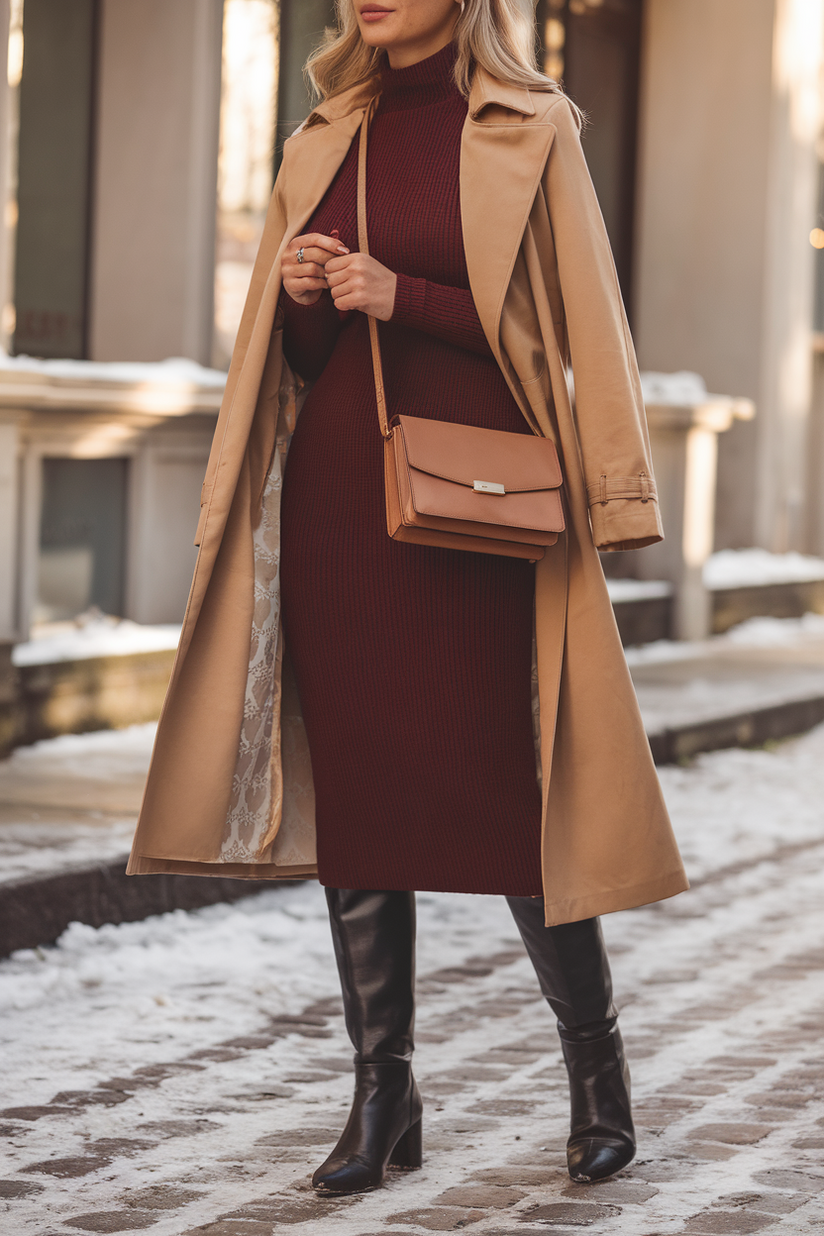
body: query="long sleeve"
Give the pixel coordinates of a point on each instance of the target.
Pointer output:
(310, 332)
(609, 407)
(448, 313)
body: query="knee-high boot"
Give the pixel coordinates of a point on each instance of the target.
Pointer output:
(374, 939)
(573, 971)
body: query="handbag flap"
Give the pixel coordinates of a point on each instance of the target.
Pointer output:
(466, 455)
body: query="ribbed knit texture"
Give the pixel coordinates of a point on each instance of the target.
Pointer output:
(413, 664)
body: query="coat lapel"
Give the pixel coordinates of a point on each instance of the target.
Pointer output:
(312, 158)
(503, 154)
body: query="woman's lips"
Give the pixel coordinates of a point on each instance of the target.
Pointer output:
(374, 13)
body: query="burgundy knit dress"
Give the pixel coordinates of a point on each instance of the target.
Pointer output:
(413, 664)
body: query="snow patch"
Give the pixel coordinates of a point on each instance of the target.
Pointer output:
(622, 591)
(747, 568)
(682, 389)
(96, 637)
(177, 369)
(754, 633)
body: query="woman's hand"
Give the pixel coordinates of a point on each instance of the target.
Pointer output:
(357, 281)
(304, 281)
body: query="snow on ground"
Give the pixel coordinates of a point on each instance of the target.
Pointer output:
(71, 800)
(719, 1011)
(175, 370)
(624, 590)
(747, 568)
(681, 389)
(754, 633)
(100, 636)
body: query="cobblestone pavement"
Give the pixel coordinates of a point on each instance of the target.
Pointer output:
(184, 1075)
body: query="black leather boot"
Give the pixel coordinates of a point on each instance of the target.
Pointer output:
(573, 971)
(374, 938)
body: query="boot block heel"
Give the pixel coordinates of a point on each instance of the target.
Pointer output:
(408, 1152)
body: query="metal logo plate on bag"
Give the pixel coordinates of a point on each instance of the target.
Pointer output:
(488, 487)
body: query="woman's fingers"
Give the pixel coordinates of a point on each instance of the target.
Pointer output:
(358, 281)
(304, 279)
(304, 270)
(316, 248)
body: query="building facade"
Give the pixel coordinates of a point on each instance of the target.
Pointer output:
(140, 143)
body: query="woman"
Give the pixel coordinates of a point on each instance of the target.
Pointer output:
(395, 748)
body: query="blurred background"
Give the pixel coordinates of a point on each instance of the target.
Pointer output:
(139, 141)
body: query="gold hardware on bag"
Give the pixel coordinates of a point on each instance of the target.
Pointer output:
(488, 487)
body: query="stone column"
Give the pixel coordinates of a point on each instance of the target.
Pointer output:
(684, 443)
(153, 249)
(9, 507)
(726, 201)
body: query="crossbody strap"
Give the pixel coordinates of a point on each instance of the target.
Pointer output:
(363, 245)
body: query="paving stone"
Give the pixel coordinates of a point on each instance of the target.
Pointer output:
(474, 1195)
(161, 1197)
(113, 1221)
(525, 1175)
(306, 1079)
(735, 1134)
(250, 1042)
(505, 1107)
(337, 1064)
(504, 1055)
(111, 1146)
(168, 1070)
(720, 1222)
(744, 1062)
(780, 1203)
(89, 1098)
(299, 1137)
(443, 1219)
(473, 1073)
(218, 1054)
(178, 1128)
(578, 1214)
(628, 1191)
(708, 1151)
(296, 1209)
(230, 1227)
(531, 1231)
(82, 1165)
(783, 1179)
(457, 974)
(19, 1188)
(35, 1113)
(777, 1098)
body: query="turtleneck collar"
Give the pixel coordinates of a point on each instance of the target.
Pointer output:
(417, 85)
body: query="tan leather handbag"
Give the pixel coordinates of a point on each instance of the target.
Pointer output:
(458, 486)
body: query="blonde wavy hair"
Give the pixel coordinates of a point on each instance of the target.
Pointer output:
(498, 35)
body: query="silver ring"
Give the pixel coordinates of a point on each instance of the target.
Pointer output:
(300, 255)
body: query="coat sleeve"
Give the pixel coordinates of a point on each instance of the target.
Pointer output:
(609, 408)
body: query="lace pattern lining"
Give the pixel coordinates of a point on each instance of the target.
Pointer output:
(271, 817)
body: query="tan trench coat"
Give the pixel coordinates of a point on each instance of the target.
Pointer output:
(230, 786)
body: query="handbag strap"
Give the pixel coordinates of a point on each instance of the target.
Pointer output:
(363, 245)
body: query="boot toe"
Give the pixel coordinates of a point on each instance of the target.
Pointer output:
(346, 1176)
(596, 1158)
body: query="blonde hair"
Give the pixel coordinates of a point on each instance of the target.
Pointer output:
(498, 35)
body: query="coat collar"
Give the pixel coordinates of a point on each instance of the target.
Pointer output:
(485, 90)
